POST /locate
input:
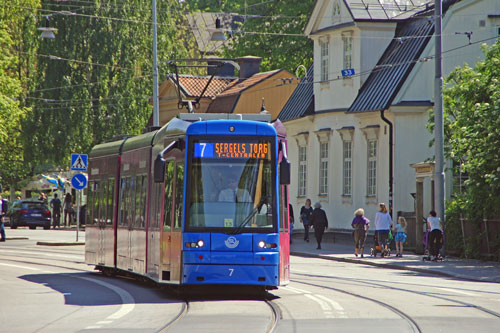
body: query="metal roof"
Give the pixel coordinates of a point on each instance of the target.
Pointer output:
(386, 9)
(387, 77)
(301, 102)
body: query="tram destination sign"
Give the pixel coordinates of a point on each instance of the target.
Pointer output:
(230, 150)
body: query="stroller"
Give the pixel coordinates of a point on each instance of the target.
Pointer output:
(378, 249)
(427, 247)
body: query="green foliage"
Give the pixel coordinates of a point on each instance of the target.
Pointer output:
(17, 23)
(266, 31)
(472, 129)
(94, 79)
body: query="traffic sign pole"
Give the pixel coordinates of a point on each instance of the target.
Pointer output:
(78, 198)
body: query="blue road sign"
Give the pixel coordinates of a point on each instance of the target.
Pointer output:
(348, 72)
(79, 181)
(79, 162)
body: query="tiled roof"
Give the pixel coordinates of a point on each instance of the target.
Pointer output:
(385, 80)
(386, 10)
(194, 85)
(301, 102)
(241, 85)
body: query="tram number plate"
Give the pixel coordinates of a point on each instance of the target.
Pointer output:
(231, 271)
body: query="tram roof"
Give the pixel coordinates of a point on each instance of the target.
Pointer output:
(108, 148)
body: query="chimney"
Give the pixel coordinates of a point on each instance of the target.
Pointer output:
(249, 66)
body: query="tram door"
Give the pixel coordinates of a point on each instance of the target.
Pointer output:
(101, 217)
(284, 236)
(166, 234)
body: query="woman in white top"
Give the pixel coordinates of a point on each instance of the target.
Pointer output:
(383, 223)
(435, 225)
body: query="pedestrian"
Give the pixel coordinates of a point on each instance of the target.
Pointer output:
(435, 225)
(3, 211)
(43, 198)
(292, 220)
(305, 218)
(383, 224)
(319, 222)
(400, 237)
(361, 225)
(55, 204)
(68, 209)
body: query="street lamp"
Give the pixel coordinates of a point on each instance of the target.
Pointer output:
(217, 33)
(47, 32)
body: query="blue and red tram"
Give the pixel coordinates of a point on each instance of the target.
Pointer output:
(202, 200)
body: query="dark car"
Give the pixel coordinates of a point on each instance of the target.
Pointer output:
(29, 213)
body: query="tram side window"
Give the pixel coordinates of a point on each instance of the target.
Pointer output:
(157, 202)
(169, 185)
(111, 200)
(131, 201)
(90, 204)
(140, 194)
(125, 181)
(179, 195)
(97, 198)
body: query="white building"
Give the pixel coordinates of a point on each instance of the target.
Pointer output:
(338, 138)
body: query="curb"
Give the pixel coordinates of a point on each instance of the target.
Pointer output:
(404, 268)
(16, 238)
(59, 243)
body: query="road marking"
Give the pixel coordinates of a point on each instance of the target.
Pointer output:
(324, 305)
(128, 301)
(23, 267)
(102, 322)
(458, 291)
(47, 254)
(340, 310)
(297, 290)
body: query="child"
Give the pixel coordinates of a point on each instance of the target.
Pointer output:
(400, 237)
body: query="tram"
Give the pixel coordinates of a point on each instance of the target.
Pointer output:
(201, 201)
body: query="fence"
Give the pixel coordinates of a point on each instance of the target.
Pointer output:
(488, 231)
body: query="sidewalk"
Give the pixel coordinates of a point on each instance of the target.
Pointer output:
(343, 250)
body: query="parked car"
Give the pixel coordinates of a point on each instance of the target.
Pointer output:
(29, 213)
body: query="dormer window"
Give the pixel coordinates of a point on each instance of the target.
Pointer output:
(336, 12)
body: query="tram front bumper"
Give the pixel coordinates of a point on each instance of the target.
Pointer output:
(265, 275)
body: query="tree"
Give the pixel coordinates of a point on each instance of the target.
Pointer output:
(272, 30)
(472, 129)
(16, 72)
(94, 79)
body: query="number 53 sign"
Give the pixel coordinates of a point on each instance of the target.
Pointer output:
(348, 72)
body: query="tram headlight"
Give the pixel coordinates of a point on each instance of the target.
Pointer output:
(200, 243)
(262, 244)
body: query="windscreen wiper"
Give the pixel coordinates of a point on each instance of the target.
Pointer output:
(249, 217)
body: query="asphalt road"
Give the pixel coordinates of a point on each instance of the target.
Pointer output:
(51, 289)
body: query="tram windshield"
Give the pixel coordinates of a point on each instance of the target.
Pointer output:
(231, 186)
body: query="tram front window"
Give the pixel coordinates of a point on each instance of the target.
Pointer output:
(231, 187)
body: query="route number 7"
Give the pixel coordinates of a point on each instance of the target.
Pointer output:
(231, 270)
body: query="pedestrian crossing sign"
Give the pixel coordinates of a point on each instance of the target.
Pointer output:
(79, 162)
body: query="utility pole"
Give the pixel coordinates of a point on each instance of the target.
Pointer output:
(156, 112)
(438, 115)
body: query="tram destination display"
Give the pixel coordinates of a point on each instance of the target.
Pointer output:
(230, 150)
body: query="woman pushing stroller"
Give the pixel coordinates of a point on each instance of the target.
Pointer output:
(360, 224)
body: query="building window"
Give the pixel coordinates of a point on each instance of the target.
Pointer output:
(324, 45)
(347, 41)
(302, 171)
(372, 168)
(347, 168)
(323, 168)
(336, 12)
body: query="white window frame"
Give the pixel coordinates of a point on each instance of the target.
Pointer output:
(302, 171)
(324, 45)
(347, 167)
(371, 181)
(347, 49)
(323, 168)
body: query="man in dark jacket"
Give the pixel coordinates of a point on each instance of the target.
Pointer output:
(319, 222)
